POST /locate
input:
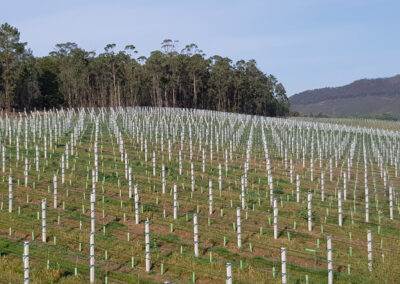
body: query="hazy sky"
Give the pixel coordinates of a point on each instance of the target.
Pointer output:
(305, 44)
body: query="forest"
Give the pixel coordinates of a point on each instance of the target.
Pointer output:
(70, 76)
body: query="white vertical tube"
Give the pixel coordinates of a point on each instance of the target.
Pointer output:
(219, 177)
(204, 161)
(126, 165)
(130, 182)
(210, 197)
(92, 216)
(163, 178)
(192, 175)
(309, 212)
(154, 163)
(180, 162)
(26, 262)
(196, 236)
(228, 273)
(271, 190)
(340, 208)
(147, 242)
(275, 218)
(344, 186)
(10, 194)
(239, 228)
(72, 144)
(384, 180)
(191, 148)
(37, 157)
(66, 156)
(297, 188)
(93, 180)
(243, 197)
(348, 168)
(391, 202)
(366, 204)
(55, 190)
(175, 202)
(283, 261)
(136, 204)
(17, 148)
(369, 245)
(322, 186)
(62, 169)
(44, 237)
(330, 266)
(91, 257)
(96, 160)
(169, 150)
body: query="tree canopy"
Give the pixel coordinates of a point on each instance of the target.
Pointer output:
(73, 77)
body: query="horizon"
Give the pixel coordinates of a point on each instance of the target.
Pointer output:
(348, 41)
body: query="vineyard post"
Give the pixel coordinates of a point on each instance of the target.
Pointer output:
(283, 261)
(369, 247)
(210, 196)
(309, 212)
(239, 228)
(44, 237)
(340, 208)
(55, 190)
(330, 266)
(228, 273)
(26, 262)
(10, 194)
(275, 218)
(298, 188)
(175, 202)
(147, 242)
(196, 236)
(136, 204)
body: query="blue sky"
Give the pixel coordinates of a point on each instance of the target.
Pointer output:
(305, 44)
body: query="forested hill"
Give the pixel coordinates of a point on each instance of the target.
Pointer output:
(73, 77)
(362, 97)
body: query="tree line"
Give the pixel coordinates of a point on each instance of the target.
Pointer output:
(70, 76)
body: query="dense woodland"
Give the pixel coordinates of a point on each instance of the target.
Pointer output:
(73, 77)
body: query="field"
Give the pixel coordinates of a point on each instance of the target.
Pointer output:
(105, 167)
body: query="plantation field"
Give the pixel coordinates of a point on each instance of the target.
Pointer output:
(99, 171)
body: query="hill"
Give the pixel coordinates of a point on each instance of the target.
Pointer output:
(362, 97)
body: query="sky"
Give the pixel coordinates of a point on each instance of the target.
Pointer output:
(305, 44)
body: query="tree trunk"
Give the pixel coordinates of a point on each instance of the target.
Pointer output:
(165, 97)
(7, 87)
(173, 97)
(6, 94)
(194, 91)
(119, 95)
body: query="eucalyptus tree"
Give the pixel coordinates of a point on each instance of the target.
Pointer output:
(49, 83)
(11, 49)
(74, 66)
(220, 83)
